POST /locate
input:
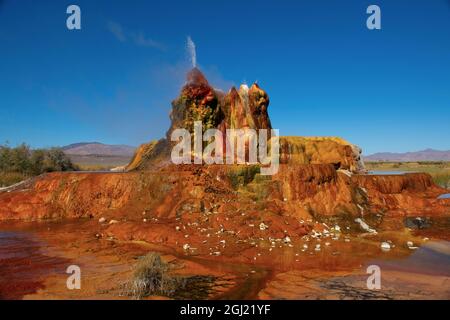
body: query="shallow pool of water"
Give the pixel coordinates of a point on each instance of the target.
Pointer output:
(28, 256)
(23, 265)
(430, 258)
(444, 196)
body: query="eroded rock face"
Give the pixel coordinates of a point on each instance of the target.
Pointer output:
(67, 195)
(152, 155)
(177, 191)
(403, 195)
(246, 108)
(321, 150)
(320, 189)
(315, 189)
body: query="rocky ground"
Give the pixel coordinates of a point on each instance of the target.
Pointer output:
(281, 245)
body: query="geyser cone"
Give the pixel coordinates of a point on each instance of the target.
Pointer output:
(196, 77)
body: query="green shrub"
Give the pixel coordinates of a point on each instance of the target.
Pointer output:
(22, 162)
(10, 178)
(242, 175)
(442, 179)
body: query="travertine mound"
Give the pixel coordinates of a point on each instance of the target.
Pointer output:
(321, 150)
(243, 108)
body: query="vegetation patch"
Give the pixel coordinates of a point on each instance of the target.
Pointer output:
(242, 175)
(442, 179)
(21, 162)
(154, 277)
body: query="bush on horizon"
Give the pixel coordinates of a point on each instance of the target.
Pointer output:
(21, 162)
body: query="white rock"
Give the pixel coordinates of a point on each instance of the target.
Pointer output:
(360, 208)
(316, 234)
(346, 172)
(410, 244)
(365, 226)
(263, 226)
(287, 239)
(186, 246)
(385, 246)
(102, 220)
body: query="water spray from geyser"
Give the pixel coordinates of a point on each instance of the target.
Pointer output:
(192, 52)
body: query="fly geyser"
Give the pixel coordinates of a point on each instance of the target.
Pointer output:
(243, 108)
(319, 179)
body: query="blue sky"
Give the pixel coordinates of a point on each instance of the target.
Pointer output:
(325, 72)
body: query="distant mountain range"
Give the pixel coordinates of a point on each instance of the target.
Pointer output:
(424, 155)
(98, 149)
(101, 149)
